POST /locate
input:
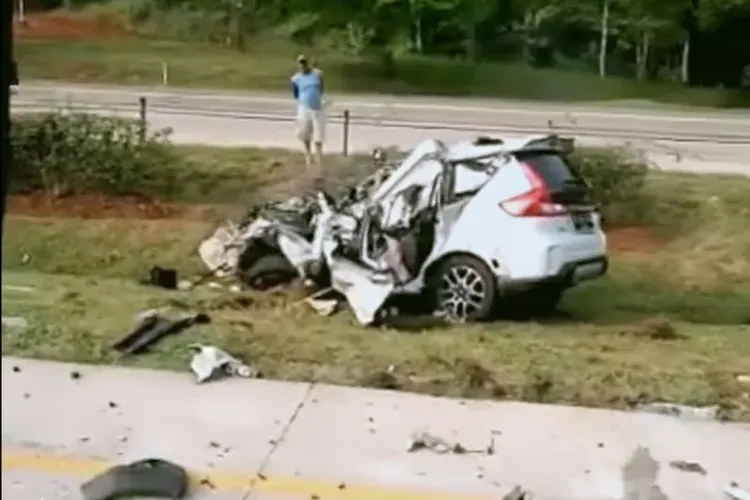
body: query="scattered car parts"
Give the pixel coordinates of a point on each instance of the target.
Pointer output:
(686, 466)
(735, 492)
(210, 362)
(151, 478)
(163, 277)
(682, 411)
(465, 227)
(423, 440)
(152, 327)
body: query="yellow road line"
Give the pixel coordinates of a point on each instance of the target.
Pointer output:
(224, 481)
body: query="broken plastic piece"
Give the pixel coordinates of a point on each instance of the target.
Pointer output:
(152, 477)
(517, 493)
(210, 362)
(735, 492)
(423, 440)
(184, 285)
(163, 277)
(683, 411)
(324, 307)
(686, 466)
(153, 328)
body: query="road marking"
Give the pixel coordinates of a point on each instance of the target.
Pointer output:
(224, 481)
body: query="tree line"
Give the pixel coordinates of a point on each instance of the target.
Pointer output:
(645, 39)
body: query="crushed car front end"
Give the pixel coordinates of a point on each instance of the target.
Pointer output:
(463, 227)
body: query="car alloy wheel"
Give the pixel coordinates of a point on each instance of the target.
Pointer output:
(461, 292)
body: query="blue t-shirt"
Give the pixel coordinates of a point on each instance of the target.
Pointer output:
(307, 89)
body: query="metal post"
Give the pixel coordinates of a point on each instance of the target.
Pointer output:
(345, 138)
(21, 12)
(142, 118)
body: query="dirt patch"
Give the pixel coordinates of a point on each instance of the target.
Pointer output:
(632, 240)
(657, 328)
(67, 26)
(93, 206)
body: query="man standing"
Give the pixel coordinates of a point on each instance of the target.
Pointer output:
(307, 89)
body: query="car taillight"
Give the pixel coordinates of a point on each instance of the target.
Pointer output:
(534, 203)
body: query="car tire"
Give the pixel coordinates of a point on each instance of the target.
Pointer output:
(464, 289)
(268, 271)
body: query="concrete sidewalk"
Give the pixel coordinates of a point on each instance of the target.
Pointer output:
(265, 439)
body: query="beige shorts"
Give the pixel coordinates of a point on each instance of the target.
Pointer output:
(311, 125)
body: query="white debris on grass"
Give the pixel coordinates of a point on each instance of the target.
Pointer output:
(15, 322)
(210, 362)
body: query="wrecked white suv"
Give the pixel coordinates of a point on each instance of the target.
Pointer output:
(468, 228)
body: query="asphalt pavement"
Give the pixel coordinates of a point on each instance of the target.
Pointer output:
(705, 142)
(507, 116)
(255, 439)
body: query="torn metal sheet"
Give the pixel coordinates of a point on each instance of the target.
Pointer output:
(365, 290)
(220, 250)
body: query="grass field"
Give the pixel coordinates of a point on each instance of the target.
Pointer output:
(77, 48)
(671, 321)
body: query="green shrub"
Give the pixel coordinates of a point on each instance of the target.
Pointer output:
(617, 177)
(64, 153)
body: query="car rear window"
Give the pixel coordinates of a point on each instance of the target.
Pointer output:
(553, 170)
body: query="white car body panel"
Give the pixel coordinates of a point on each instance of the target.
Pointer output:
(465, 185)
(538, 247)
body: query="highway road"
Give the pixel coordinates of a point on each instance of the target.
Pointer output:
(674, 140)
(266, 440)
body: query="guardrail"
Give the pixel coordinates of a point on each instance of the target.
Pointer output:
(604, 124)
(142, 115)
